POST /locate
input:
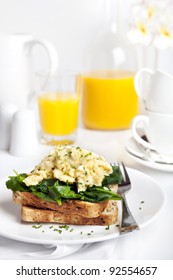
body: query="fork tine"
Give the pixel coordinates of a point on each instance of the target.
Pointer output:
(123, 179)
(124, 182)
(127, 179)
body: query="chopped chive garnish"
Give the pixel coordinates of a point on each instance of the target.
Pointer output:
(58, 230)
(37, 226)
(64, 226)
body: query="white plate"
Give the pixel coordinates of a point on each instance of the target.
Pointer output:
(136, 154)
(144, 189)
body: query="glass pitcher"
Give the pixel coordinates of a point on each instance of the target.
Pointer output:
(109, 100)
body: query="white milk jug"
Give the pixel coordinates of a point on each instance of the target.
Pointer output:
(16, 85)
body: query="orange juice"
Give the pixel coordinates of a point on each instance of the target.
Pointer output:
(58, 113)
(109, 99)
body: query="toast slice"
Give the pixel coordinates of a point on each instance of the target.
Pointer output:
(108, 217)
(69, 207)
(77, 207)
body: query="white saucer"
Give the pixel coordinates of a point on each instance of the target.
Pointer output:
(136, 153)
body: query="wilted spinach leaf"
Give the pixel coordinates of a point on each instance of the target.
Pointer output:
(114, 178)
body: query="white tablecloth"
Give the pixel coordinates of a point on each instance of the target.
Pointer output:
(155, 241)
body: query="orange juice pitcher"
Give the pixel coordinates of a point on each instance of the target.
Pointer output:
(109, 100)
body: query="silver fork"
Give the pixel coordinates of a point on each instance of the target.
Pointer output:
(128, 222)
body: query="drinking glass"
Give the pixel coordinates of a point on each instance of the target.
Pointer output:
(58, 102)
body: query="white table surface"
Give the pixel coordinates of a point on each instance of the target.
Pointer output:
(155, 241)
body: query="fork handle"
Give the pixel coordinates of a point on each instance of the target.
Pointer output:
(128, 222)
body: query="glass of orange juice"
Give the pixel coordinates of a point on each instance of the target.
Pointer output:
(58, 102)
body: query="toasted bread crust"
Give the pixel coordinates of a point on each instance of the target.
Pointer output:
(69, 207)
(35, 215)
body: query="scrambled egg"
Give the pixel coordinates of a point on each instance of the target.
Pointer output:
(71, 165)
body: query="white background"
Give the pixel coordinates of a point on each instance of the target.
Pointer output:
(70, 25)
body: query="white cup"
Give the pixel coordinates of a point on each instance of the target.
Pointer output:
(158, 128)
(24, 138)
(155, 89)
(7, 111)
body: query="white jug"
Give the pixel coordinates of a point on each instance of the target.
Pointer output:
(16, 85)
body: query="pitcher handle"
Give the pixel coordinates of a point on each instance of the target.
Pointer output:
(50, 49)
